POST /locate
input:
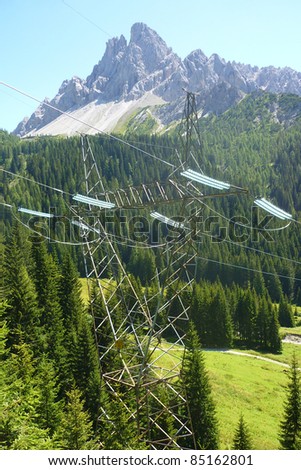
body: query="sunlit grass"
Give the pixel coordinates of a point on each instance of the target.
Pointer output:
(245, 385)
(240, 384)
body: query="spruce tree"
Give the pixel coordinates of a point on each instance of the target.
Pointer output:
(286, 315)
(247, 309)
(87, 368)
(73, 312)
(290, 427)
(242, 439)
(201, 301)
(220, 321)
(274, 341)
(197, 390)
(22, 313)
(6, 424)
(48, 408)
(18, 425)
(274, 285)
(164, 421)
(75, 432)
(70, 299)
(263, 322)
(118, 430)
(47, 278)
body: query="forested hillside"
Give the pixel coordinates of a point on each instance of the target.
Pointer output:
(245, 280)
(247, 146)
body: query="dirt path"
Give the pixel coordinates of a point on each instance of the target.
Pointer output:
(261, 358)
(293, 339)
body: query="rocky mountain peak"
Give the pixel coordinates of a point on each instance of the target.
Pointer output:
(144, 72)
(153, 48)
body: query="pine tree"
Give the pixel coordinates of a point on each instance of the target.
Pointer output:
(87, 368)
(201, 301)
(164, 422)
(220, 321)
(73, 317)
(263, 322)
(242, 439)
(274, 286)
(47, 278)
(31, 437)
(197, 390)
(246, 315)
(286, 316)
(6, 424)
(290, 427)
(75, 432)
(105, 338)
(48, 408)
(18, 424)
(70, 299)
(259, 284)
(274, 342)
(22, 313)
(118, 430)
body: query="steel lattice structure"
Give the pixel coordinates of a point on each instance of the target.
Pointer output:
(140, 333)
(135, 332)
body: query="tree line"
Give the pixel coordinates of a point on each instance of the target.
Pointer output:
(52, 392)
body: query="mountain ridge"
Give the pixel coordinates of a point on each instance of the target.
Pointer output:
(146, 73)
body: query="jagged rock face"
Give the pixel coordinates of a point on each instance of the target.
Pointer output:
(128, 71)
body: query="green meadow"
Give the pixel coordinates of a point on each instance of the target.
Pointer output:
(242, 384)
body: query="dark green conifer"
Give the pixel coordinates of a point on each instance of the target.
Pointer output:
(290, 427)
(22, 313)
(75, 432)
(119, 430)
(263, 322)
(87, 368)
(286, 315)
(219, 320)
(242, 439)
(274, 342)
(197, 390)
(48, 407)
(47, 278)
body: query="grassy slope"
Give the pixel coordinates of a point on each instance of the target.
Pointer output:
(252, 387)
(285, 357)
(244, 385)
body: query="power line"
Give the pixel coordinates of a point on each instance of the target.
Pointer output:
(64, 113)
(146, 153)
(283, 258)
(236, 266)
(210, 260)
(35, 182)
(87, 19)
(199, 232)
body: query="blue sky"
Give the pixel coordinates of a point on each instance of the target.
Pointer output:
(44, 42)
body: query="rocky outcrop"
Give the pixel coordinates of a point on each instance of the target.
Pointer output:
(129, 71)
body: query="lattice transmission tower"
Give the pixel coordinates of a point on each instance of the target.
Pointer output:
(140, 331)
(146, 367)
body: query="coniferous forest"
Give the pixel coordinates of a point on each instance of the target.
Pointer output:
(246, 291)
